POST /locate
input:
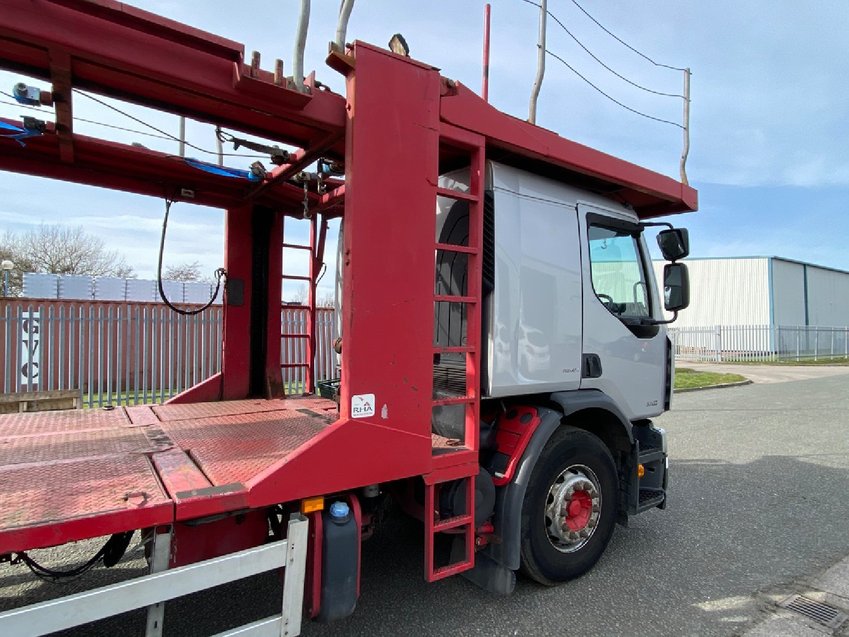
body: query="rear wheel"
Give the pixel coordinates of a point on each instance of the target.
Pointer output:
(569, 509)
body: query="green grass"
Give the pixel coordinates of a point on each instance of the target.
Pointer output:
(686, 378)
(820, 360)
(128, 398)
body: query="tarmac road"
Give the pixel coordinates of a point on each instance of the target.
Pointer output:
(770, 373)
(759, 497)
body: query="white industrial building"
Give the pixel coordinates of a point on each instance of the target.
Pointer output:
(755, 308)
(769, 291)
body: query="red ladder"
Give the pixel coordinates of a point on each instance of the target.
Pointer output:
(459, 461)
(295, 357)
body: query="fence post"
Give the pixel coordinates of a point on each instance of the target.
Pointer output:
(816, 342)
(718, 343)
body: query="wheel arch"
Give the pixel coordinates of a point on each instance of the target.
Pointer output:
(590, 410)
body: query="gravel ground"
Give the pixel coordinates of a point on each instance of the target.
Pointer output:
(758, 499)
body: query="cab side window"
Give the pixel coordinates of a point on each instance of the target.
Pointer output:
(618, 272)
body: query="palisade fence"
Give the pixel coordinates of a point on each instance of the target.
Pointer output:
(128, 353)
(729, 343)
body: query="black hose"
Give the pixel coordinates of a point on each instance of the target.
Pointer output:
(220, 273)
(112, 551)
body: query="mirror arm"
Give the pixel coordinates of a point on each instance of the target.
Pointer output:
(648, 224)
(651, 321)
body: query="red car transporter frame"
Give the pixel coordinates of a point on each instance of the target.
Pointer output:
(231, 443)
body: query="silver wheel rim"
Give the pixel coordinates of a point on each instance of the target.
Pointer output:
(572, 508)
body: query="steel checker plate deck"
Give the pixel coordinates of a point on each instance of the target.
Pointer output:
(45, 422)
(47, 504)
(65, 476)
(234, 448)
(72, 445)
(186, 411)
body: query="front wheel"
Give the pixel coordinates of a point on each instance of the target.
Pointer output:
(569, 509)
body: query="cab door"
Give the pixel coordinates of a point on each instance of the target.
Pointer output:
(624, 351)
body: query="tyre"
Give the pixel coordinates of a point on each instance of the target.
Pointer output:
(569, 509)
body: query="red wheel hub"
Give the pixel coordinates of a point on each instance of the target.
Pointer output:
(578, 510)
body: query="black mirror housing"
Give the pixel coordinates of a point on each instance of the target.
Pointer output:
(674, 243)
(676, 287)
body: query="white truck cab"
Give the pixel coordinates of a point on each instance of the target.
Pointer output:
(574, 304)
(576, 361)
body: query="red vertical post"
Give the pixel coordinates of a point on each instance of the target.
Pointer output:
(485, 81)
(236, 358)
(390, 223)
(273, 375)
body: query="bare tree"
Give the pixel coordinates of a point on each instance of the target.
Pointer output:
(71, 250)
(183, 272)
(298, 297)
(60, 250)
(10, 250)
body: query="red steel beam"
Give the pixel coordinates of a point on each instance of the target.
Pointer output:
(127, 53)
(121, 167)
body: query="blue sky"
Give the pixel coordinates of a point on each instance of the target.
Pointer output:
(769, 118)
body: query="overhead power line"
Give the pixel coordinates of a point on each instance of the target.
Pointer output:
(166, 134)
(135, 131)
(612, 99)
(596, 58)
(621, 41)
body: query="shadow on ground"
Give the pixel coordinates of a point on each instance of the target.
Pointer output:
(730, 531)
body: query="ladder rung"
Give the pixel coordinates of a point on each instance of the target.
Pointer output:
(453, 522)
(462, 400)
(449, 247)
(294, 336)
(291, 365)
(294, 306)
(297, 246)
(448, 298)
(456, 194)
(459, 349)
(295, 277)
(452, 569)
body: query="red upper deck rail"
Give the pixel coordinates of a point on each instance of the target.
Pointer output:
(127, 53)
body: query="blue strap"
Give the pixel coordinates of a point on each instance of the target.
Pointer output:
(223, 171)
(19, 133)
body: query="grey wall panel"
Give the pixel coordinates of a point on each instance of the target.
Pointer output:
(788, 289)
(828, 297)
(75, 287)
(725, 292)
(109, 288)
(197, 292)
(41, 286)
(141, 290)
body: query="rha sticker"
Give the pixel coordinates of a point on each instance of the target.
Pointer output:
(362, 405)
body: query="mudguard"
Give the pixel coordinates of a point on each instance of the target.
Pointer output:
(508, 505)
(508, 501)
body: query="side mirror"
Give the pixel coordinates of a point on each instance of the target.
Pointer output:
(674, 243)
(676, 287)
